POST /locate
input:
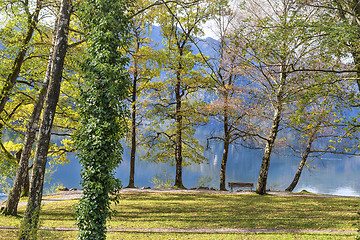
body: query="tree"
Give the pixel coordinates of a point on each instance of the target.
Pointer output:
(339, 21)
(30, 93)
(175, 112)
(142, 69)
(107, 27)
(22, 172)
(30, 221)
(18, 23)
(315, 123)
(228, 108)
(276, 39)
(32, 21)
(344, 31)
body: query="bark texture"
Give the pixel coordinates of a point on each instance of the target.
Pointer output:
(264, 170)
(265, 164)
(29, 223)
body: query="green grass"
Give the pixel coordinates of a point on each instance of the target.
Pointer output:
(234, 211)
(52, 235)
(200, 210)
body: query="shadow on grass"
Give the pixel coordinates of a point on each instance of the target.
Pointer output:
(189, 210)
(235, 211)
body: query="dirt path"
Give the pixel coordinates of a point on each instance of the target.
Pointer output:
(201, 230)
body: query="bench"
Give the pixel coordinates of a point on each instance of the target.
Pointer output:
(240, 185)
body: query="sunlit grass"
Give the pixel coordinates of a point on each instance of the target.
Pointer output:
(234, 211)
(201, 210)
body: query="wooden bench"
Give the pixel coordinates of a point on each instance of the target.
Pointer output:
(240, 185)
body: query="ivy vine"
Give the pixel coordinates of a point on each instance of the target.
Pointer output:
(107, 26)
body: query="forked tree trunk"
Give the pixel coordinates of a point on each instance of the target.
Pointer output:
(21, 182)
(19, 59)
(304, 158)
(29, 223)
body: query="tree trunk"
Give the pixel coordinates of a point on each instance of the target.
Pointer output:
(223, 164)
(178, 124)
(302, 162)
(133, 123)
(21, 183)
(261, 185)
(26, 186)
(265, 164)
(29, 223)
(26, 182)
(226, 147)
(19, 59)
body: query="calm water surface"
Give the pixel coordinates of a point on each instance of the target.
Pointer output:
(329, 175)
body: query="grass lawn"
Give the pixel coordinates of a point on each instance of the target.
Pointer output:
(51, 235)
(203, 210)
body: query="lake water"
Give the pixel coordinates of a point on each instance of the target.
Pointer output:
(2, 197)
(330, 175)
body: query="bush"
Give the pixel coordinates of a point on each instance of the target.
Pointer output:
(163, 180)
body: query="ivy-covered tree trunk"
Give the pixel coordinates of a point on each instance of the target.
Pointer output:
(304, 158)
(19, 58)
(101, 110)
(29, 223)
(21, 182)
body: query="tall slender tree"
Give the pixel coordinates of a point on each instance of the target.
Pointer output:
(29, 223)
(274, 43)
(175, 112)
(143, 68)
(229, 108)
(22, 172)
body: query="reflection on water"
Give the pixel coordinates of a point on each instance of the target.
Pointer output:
(339, 176)
(346, 191)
